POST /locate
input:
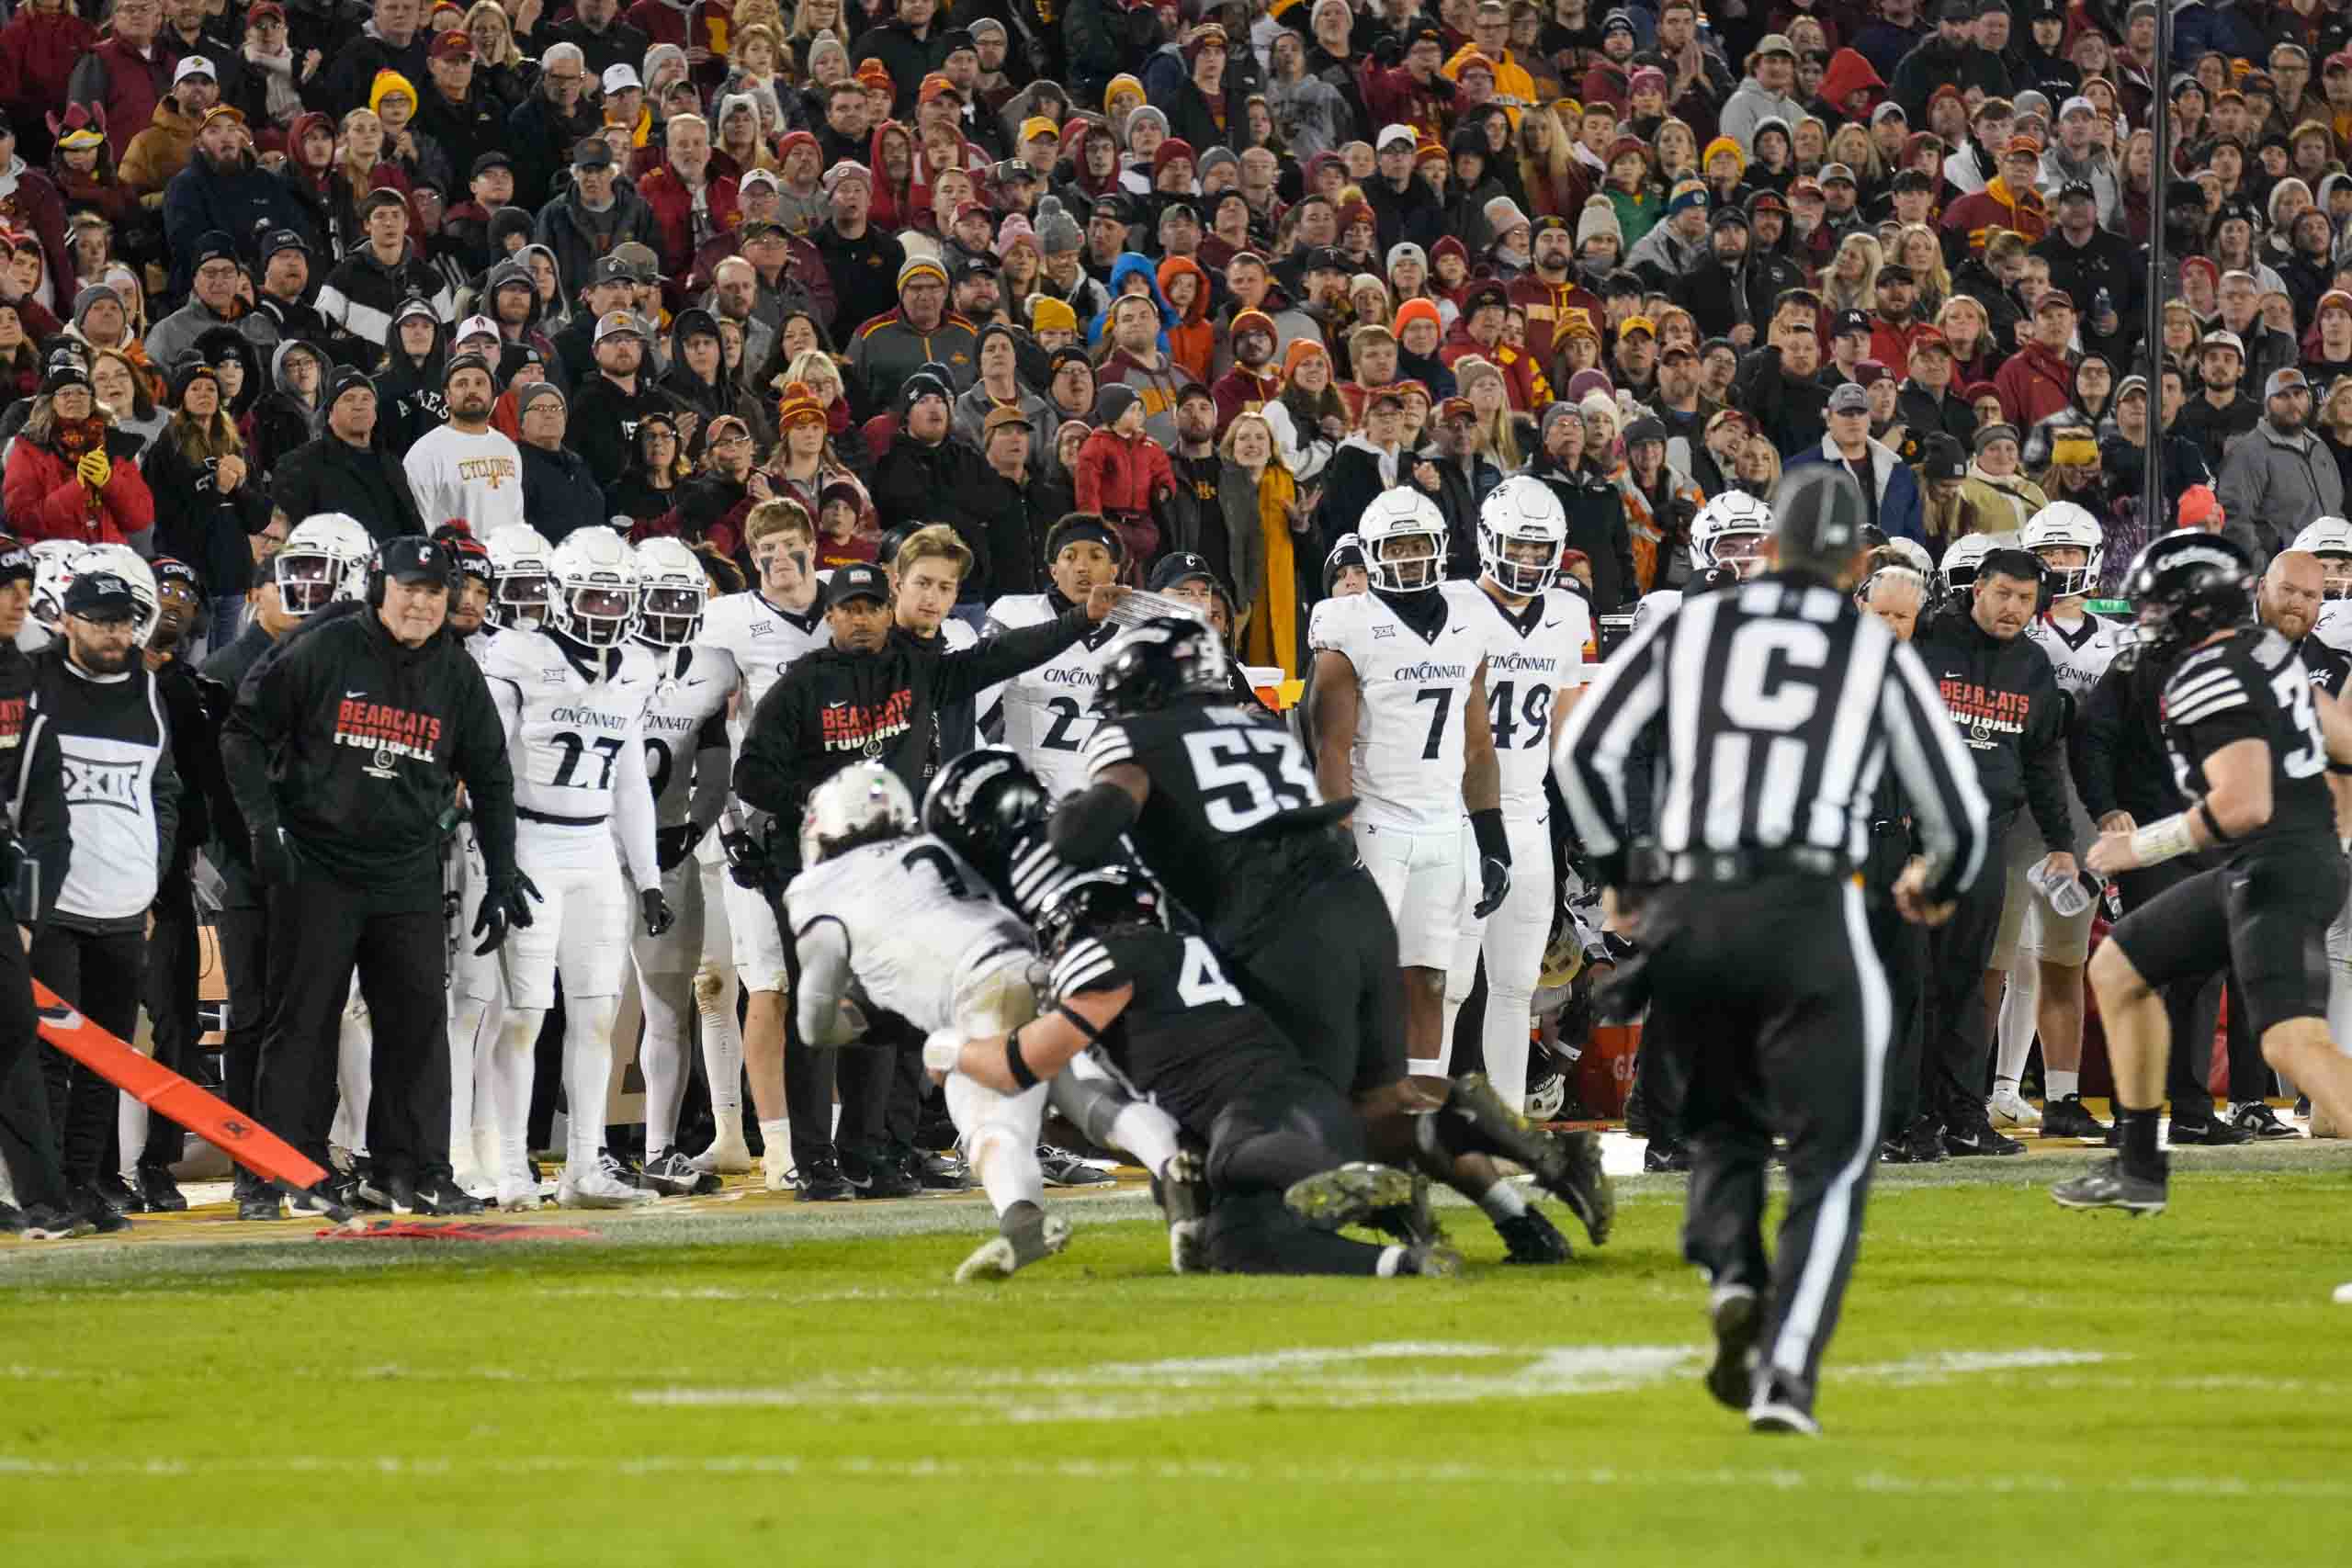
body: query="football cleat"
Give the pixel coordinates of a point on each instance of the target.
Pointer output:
(1965, 1143)
(162, 1196)
(597, 1188)
(1778, 1408)
(672, 1175)
(821, 1183)
(2108, 1185)
(1027, 1234)
(1532, 1238)
(2007, 1108)
(1348, 1194)
(1064, 1168)
(1182, 1191)
(119, 1195)
(942, 1171)
(2066, 1119)
(2202, 1129)
(1737, 1317)
(1565, 1165)
(437, 1195)
(728, 1156)
(1660, 1158)
(2259, 1120)
(1433, 1260)
(876, 1174)
(519, 1191)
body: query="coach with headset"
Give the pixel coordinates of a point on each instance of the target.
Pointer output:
(343, 753)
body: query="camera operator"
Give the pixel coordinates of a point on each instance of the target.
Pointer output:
(343, 753)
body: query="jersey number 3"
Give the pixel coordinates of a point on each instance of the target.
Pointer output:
(1249, 775)
(2292, 687)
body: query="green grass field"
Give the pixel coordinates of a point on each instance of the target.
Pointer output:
(740, 1381)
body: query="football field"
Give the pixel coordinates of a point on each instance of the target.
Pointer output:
(740, 1380)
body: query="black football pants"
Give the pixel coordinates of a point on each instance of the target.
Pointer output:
(243, 933)
(100, 973)
(172, 965)
(1958, 1027)
(1773, 1001)
(27, 1137)
(320, 931)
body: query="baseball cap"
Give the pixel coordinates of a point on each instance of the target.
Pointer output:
(1182, 567)
(2078, 190)
(2284, 381)
(476, 326)
(859, 579)
(1849, 398)
(278, 239)
(1008, 413)
(496, 158)
(466, 362)
(847, 171)
(2054, 299)
(194, 65)
(1776, 43)
(592, 152)
(451, 45)
(413, 557)
(1868, 373)
(621, 77)
(101, 596)
(1636, 324)
(643, 264)
(616, 323)
(1391, 135)
(1848, 321)
(2130, 385)
(1832, 173)
(2220, 339)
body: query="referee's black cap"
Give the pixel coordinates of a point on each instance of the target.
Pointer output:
(1818, 515)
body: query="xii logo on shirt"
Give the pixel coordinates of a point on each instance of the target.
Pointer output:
(391, 733)
(101, 781)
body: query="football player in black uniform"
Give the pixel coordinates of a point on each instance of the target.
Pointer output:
(1222, 804)
(2254, 744)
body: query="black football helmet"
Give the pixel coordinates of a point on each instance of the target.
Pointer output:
(1098, 901)
(1163, 658)
(2187, 584)
(985, 804)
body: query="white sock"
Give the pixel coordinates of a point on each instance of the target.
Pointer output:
(2061, 1086)
(1009, 1173)
(1391, 1259)
(467, 1041)
(1148, 1132)
(722, 1048)
(518, 1037)
(1502, 1202)
(1426, 1067)
(662, 1055)
(355, 1051)
(131, 1133)
(777, 1137)
(1504, 1039)
(587, 1077)
(2020, 1003)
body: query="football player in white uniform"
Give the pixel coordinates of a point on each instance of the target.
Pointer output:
(1400, 722)
(900, 916)
(1045, 715)
(1534, 671)
(572, 698)
(779, 619)
(2041, 951)
(688, 761)
(2330, 539)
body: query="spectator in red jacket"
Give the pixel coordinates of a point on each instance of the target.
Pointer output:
(671, 189)
(38, 52)
(69, 476)
(2038, 380)
(127, 73)
(1480, 331)
(1120, 473)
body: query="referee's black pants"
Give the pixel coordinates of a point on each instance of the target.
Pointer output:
(99, 972)
(27, 1137)
(1774, 1003)
(1959, 1028)
(172, 965)
(243, 930)
(319, 932)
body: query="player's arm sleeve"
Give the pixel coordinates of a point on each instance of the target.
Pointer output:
(633, 810)
(1592, 757)
(482, 766)
(825, 978)
(713, 760)
(1938, 777)
(2045, 769)
(966, 672)
(2090, 745)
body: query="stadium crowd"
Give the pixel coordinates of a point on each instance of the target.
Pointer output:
(1217, 275)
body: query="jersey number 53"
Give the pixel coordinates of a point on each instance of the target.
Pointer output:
(1249, 775)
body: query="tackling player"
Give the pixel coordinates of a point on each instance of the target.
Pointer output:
(764, 630)
(1535, 641)
(1404, 748)
(572, 698)
(2262, 750)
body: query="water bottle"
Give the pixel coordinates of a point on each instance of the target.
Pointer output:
(2102, 305)
(2066, 892)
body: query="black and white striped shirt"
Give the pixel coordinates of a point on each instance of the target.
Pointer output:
(1772, 709)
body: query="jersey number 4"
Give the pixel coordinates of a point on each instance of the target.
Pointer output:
(1203, 984)
(574, 747)
(1249, 775)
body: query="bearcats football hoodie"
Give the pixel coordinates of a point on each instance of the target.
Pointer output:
(2005, 700)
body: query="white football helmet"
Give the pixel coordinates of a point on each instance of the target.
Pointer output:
(2330, 539)
(1961, 561)
(1521, 511)
(861, 796)
(1730, 530)
(129, 565)
(671, 589)
(1400, 517)
(52, 574)
(323, 560)
(2062, 524)
(596, 587)
(521, 579)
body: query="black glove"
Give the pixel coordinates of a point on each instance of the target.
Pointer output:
(672, 846)
(273, 858)
(1389, 50)
(747, 859)
(656, 910)
(1494, 860)
(505, 906)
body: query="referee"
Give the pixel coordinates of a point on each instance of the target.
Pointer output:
(343, 753)
(1773, 708)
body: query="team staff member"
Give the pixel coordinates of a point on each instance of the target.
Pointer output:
(344, 753)
(123, 792)
(874, 695)
(1773, 708)
(2004, 702)
(36, 854)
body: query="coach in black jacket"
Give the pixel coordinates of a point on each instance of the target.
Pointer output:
(346, 470)
(37, 828)
(344, 753)
(2003, 698)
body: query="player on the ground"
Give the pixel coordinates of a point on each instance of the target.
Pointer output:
(1046, 714)
(2255, 745)
(1224, 810)
(1286, 1150)
(764, 629)
(1402, 731)
(2330, 539)
(688, 762)
(572, 697)
(2040, 949)
(1535, 640)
